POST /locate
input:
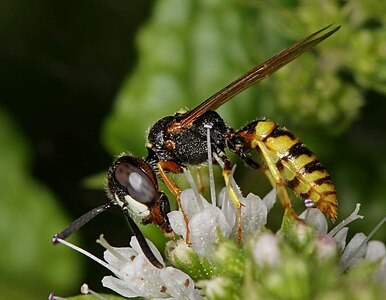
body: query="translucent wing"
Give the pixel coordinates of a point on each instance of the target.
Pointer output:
(251, 77)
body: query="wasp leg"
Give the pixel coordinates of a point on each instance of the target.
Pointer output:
(241, 146)
(142, 241)
(289, 162)
(227, 169)
(274, 176)
(255, 165)
(242, 142)
(170, 166)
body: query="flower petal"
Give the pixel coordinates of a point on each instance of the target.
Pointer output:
(253, 213)
(315, 217)
(203, 229)
(266, 250)
(354, 251)
(142, 277)
(325, 246)
(227, 207)
(119, 286)
(178, 284)
(125, 252)
(134, 244)
(270, 199)
(177, 222)
(376, 251)
(191, 204)
(340, 238)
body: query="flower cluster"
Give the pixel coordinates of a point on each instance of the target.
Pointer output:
(303, 260)
(300, 260)
(296, 262)
(208, 222)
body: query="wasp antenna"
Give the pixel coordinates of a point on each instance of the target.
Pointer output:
(78, 223)
(142, 242)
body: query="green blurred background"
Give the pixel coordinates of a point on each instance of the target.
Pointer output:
(81, 81)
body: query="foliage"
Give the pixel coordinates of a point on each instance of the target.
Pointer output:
(29, 264)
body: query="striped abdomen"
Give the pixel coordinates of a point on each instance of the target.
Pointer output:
(298, 166)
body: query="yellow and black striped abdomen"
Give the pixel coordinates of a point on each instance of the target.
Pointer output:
(299, 168)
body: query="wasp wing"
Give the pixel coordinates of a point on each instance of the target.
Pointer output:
(251, 77)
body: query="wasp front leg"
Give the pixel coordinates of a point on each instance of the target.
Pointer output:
(170, 166)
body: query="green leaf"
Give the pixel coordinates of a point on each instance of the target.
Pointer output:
(30, 266)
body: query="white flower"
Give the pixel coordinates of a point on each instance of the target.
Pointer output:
(354, 251)
(266, 250)
(216, 288)
(316, 218)
(358, 247)
(340, 238)
(254, 211)
(376, 252)
(135, 276)
(205, 219)
(325, 246)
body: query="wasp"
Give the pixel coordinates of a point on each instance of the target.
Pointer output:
(180, 140)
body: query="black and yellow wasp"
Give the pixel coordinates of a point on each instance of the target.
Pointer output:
(180, 140)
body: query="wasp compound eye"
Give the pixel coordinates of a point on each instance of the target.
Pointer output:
(133, 185)
(136, 182)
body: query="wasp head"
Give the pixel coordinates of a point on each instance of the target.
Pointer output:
(132, 183)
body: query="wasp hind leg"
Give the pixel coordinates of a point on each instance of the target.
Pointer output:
(241, 143)
(255, 165)
(222, 159)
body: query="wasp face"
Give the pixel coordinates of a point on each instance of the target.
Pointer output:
(133, 185)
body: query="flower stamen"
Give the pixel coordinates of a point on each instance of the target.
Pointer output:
(102, 241)
(53, 297)
(210, 164)
(84, 289)
(354, 215)
(56, 239)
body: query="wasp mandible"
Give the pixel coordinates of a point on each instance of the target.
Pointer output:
(180, 140)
